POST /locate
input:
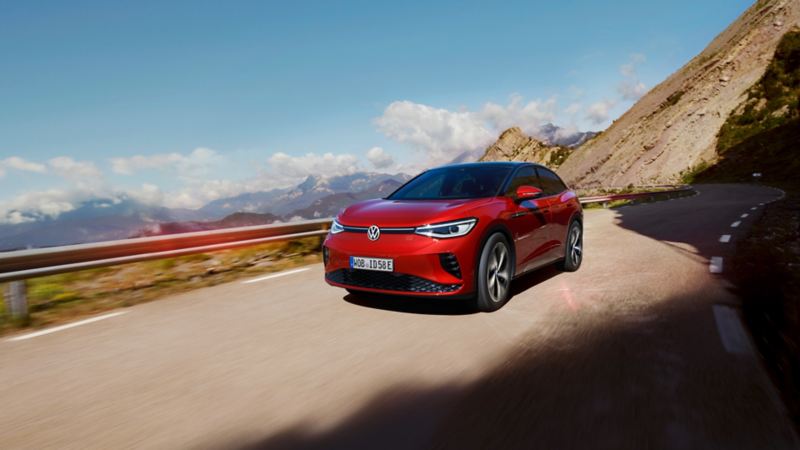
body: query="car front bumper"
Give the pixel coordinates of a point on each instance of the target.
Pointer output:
(423, 266)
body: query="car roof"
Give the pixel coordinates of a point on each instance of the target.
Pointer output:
(489, 163)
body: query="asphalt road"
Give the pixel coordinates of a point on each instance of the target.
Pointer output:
(638, 349)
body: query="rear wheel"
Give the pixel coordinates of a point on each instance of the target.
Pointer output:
(573, 254)
(494, 274)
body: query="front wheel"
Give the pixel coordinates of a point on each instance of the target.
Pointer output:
(573, 251)
(494, 274)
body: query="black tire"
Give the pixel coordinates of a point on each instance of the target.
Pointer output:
(573, 248)
(492, 291)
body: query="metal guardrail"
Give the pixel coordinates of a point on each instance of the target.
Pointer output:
(23, 264)
(637, 195)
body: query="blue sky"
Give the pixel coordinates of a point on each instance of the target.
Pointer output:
(178, 103)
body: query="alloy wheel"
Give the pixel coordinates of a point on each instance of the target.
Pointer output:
(498, 273)
(575, 245)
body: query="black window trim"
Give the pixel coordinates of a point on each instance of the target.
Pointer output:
(566, 188)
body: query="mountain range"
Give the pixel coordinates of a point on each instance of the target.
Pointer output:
(123, 217)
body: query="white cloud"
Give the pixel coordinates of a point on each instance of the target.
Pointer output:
(566, 132)
(379, 158)
(149, 194)
(599, 112)
(528, 116)
(70, 169)
(329, 164)
(631, 88)
(17, 163)
(573, 108)
(193, 164)
(15, 217)
(197, 194)
(441, 135)
(282, 170)
(29, 205)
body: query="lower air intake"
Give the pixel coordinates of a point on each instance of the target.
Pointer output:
(449, 263)
(388, 281)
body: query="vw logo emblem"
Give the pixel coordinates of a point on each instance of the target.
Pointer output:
(373, 232)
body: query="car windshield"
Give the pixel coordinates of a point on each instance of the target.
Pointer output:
(455, 182)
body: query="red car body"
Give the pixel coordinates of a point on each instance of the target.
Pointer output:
(537, 228)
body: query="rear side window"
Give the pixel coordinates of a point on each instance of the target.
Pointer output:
(551, 184)
(524, 177)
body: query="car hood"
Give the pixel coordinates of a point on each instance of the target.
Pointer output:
(407, 213)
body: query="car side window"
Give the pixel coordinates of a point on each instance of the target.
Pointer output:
(551, 183)
(525, 176)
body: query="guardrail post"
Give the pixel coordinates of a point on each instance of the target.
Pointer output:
(16, 299)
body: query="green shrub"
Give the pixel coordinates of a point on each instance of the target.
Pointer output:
(779, 88)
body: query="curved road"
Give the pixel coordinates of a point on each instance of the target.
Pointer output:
(641, 348)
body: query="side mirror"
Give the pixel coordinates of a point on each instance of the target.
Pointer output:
(527, 193)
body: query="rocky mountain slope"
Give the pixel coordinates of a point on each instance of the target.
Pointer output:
(763, 133)
(514, 145)
(674, 127)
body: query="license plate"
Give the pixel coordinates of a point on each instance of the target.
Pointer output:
(378, 264)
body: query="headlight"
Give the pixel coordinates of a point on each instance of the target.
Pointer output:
(336, 227)
(447, 229)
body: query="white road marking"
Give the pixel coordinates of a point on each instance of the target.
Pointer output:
(715, 265)
(66, 327)
(754, 208)
(275, 275)
(744, 216)
(760, 204)
(736, 224)
(725, 238)
(731, 332)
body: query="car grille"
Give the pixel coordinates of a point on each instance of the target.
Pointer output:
(388, 281)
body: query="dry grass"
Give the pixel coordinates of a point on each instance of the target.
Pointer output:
(58, 298)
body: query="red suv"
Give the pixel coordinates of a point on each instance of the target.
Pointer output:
(463, 230)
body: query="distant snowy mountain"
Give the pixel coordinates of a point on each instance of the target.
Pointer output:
(284, 201)
(123, 217)
(94, 220)
(330, 205)
(554, 135)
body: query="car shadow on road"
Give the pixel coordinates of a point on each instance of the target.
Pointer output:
(412, 305)
(445, 306)
(616, 381)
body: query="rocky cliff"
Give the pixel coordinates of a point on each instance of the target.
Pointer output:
(514, 145)
(674, 127)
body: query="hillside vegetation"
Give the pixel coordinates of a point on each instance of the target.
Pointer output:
(763, 133)
(770, 103)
